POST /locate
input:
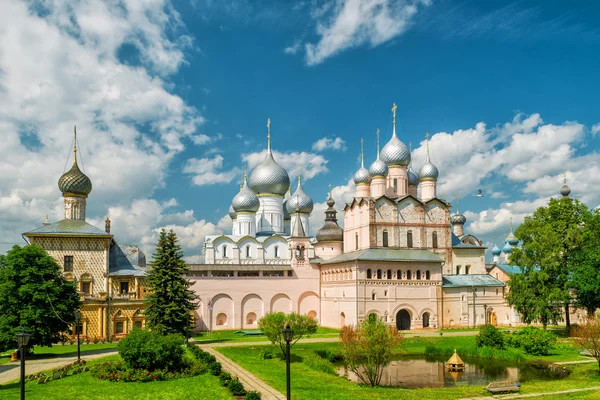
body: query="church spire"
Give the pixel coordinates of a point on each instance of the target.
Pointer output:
(362, 153)
(394, 107)
(269, 135)
(75, 144)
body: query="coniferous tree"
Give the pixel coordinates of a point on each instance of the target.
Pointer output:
(34, 296)
(170, 301)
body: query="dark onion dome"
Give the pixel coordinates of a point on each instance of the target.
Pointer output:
(512, 240)
(232, 213)
(269, 177)
(378, 168)
(75, 182)
(565, 190)
(413, 179)
(245, 201)
(302, 202)
(506, 249)
(330, 231)
(496, 250)
(458, 219)
(395, 153)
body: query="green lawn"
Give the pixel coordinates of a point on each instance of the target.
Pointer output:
(232, 336)
(66, 350)
(310, 384)
(86, 387)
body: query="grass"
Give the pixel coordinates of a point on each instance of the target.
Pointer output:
(86, 387)
(40, 352)
(231, 336)
(309, 383)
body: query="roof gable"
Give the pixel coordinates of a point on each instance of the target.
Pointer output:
(68, 227)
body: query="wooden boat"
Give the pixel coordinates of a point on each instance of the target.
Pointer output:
(503, 387)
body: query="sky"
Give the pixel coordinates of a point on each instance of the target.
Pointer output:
(171, 101)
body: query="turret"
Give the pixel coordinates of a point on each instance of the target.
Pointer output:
(75, 187)
(378, 172)
(330, 238)
(458, 221)
(428, 175)
(397, 157)
(362, 179)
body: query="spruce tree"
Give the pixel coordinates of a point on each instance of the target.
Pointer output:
(171, 301)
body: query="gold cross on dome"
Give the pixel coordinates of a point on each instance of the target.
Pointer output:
(565, 176)
(394, 107)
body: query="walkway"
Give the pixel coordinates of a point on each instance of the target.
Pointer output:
(524, 396)
(12, 370)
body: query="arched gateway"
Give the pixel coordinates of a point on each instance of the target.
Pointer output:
(403, 320)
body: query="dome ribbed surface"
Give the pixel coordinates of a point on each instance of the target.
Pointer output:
(395, 152)
(301, 202)
(362, 176)
(506, 249)
(496, 250)
(512, 240)
(330, 231)
(378, 168)
(269, 178)
(232, 213)
(458, 219)
(428, 171)
(565, 190)
(413, 179)
(245, 200)
(74, 181)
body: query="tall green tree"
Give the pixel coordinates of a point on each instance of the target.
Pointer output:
(170, 302)
(549, 240)
(34, 296)
(585, 274)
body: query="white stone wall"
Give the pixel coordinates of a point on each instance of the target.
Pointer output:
(475, 258)
(75, 207)
(269, 217)
(458, 306)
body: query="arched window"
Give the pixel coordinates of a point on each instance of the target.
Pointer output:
(427, 275)
(378, 274)
(389, 274)
(224, 251)
(297, 251)
(248, 251)
(418, 275)
(398, 274)
(276, 251)
(373, 297)
(458, 270)
(369, 274)
(409, 239)
(434, 240)
(385, 238)
(395, 185)
(467, 269)
(408, 275)
(356, 241)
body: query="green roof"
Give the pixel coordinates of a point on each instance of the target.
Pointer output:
(68, 227)
(470, 280)
(386, 255)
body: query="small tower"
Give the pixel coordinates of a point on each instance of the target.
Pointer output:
(496, 251)
(362, 179)
(428, 175)
(299, 241)
(302, 204)
(565, 190)
(330, 238)
(458, 221)
(378, 171)
(245, 204)
(75, 187)
(397, 157)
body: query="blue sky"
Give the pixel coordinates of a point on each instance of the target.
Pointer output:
(171, 101)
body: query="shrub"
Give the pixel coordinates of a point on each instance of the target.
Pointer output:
(118, 371)
(533, 341)
(224, 378)
(62, 339)
(95, 340)
(236, 388)
(148, 350)
(265, 354)
(215, 368)
(330, 355)
(490, 336)
(71, 341)
(252, 396)
(319, 364)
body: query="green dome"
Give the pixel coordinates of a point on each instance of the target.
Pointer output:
(75, 182)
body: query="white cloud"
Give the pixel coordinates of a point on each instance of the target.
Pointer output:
(326, 143)
(293, 49)
(351, 23)
(207, 171)
(200, 139)
(307, 164)
(595, 129)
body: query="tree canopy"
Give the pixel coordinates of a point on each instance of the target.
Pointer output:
(170, 302)
(550, 240)
(34, 296)
(585, 272)
(273, 323)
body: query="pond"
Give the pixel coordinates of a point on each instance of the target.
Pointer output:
(429, 371)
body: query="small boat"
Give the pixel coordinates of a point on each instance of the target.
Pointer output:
(503, 387)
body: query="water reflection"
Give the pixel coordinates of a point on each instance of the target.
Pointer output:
(412, 372)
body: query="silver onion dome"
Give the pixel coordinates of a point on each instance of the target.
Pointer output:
(413, 179)
(269, 177)
(232, 213)
(496, 250)
(286, 214)
(395, 153)
(362, 176)
(458, 219)
(245, 200)
(378, 168)
(428, 171)
(301, 201)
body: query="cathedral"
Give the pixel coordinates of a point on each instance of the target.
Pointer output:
(402, 255)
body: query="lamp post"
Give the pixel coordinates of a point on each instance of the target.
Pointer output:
(78, 330)
(22, 341)
(485, 316)
(288, 335)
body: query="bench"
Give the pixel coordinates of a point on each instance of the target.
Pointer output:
(503, 387)
(42, 379)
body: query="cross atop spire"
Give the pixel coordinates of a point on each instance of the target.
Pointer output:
(269, 135)
(299, 179)
(565, 177)
(75, 144)
(362, 153)
(457, 206)
(377, 133)
(427, 143)
(511, 229)
(394, 107)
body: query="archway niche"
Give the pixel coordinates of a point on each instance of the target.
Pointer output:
(403, 320)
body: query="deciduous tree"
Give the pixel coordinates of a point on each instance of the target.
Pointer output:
(171, 301)
(273, 323)
(585, 274)
(587, 336)
(34, 296)
(368, 348)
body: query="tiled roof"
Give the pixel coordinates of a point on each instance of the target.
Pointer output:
(510, 269)
(68, 227)
(418, 255)
(470, 280)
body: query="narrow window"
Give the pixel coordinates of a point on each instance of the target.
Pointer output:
(224, 251)
(356, 240)
(276, 251)
(467, 269)
(418, 275)
(427, 275)
(484, 291)
(398, 274)
(389, 274)
(385, 238)
(86, 287)
(408, 275)
(496, 292)
(68, 263)
(124, 287)
(458, 270)
(119, 328)
(385, 293)
(298, 252)
(137, 324)
(378, 274)
(434, 240)
(395, 185)
(409, 239)
(290, 273)
(369, 274)
(372, 296)
(247, 251)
